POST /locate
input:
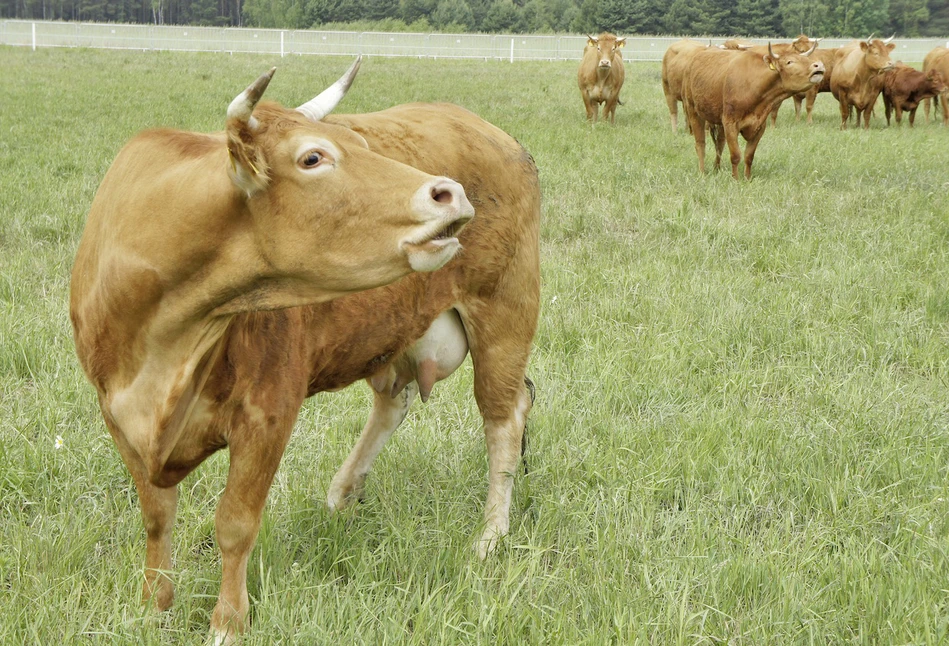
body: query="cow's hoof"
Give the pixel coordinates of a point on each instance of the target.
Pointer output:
(221, 638)
(488, 543)
(343, 494)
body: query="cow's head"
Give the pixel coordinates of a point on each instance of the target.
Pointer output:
(803, 44)
(936, 82)
(797, 71)
(607, 46)
(328, 215)
(876, 53)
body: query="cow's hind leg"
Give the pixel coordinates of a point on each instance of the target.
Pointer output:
(499, 335)
(387, 413)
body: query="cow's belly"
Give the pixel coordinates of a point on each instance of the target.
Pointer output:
(599, 93)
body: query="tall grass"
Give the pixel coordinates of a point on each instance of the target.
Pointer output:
(741, 427)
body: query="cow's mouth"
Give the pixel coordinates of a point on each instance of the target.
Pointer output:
(452, 230)
(817, 77)
(432, 251)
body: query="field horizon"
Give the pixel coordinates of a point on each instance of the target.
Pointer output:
(741, 432)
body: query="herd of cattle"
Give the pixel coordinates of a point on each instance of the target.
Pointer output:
(731, 89)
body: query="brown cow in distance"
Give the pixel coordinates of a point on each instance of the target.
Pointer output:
(202, 311)
(601, 75)
(904, 88)
(938, 59)
(858, 78)
(734, 91)
(675, 65)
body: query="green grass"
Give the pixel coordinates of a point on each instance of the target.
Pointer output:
(741, 428)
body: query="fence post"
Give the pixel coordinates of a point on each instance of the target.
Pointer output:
(281, 44)
(34, 36)
(512, 50)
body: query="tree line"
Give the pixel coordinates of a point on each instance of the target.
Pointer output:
(753, 18)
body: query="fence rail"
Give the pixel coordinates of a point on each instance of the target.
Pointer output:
(500, 47)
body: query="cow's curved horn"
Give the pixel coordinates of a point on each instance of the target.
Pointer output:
(324, 103)
(243, 106)
(885, 42)
(770, 51)
(595, 39)
(811, 50)
(870, 38)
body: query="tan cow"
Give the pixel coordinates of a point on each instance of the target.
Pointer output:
(938, 59)
(858, 77)
(601, 75)
(675, 65)
(201, 291)
(734, 91)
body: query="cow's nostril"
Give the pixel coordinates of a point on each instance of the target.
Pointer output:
(441, 196)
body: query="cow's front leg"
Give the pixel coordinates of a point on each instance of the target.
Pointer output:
(255, 456)
(387, 413)
(159, 506)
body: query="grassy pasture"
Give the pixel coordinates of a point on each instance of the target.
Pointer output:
(741, 427)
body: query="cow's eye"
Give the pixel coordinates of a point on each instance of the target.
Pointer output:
(311, 159)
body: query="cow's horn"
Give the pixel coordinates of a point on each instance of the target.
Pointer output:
(870, 38)
(770, 51)
(243, 106)
(595, 39)
(885, 42)
(321, 105)
(811, 50)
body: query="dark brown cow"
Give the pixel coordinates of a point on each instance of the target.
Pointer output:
(734, 91)
(675, 65)
(904, 88)
(938, 59)
(601, 75)
(858, 78)
(201, 308)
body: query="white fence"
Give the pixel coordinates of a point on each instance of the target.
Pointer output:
(344, 43)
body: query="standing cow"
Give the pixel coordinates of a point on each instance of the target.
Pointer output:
(938, 59)
(675, 65)
(904, 88)
(858, 78)
(734, 91)
(203, 313)
(601, 75)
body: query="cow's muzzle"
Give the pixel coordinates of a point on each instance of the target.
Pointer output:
(444, 209)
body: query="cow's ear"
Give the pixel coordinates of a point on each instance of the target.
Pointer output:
(247, 167)
(592, 40)
(620, 42)
(864, 46)
(891, 46)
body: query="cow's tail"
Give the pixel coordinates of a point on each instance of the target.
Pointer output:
(532, 390)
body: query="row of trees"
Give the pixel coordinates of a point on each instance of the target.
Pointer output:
(826, 18)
